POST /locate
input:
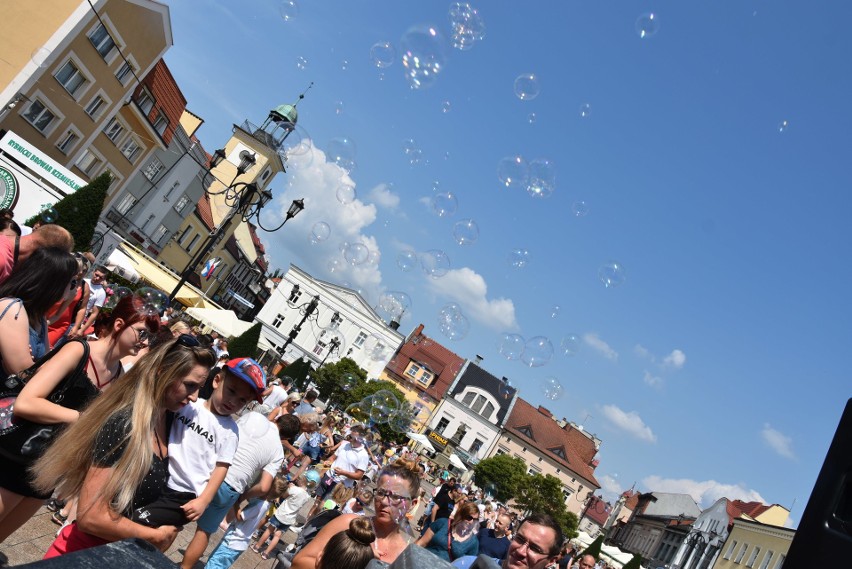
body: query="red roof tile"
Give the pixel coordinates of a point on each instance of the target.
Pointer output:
(258, 248)
(632, 499)
(738, 508)
(597, 510)
(205, 212)
(169, 99)
(440, 361)
(546, 433)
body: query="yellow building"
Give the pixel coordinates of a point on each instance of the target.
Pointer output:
(754, 545)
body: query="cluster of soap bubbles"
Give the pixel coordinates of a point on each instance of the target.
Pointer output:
(382, 54)
(342, 151)
(535, 352)
(612, 274)
(452, 322)
(445, 204)
(435, 263)
(537, 177)
(466, 25)
(382, 408)
(413, 152)
(423, 55)
(153, 301)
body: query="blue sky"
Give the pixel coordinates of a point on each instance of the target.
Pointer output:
(716, 367)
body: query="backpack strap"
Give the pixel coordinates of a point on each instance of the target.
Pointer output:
(14, 301)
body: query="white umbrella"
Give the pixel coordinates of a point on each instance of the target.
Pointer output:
(457, 462)
(422, 440)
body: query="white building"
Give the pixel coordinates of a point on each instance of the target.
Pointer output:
(325, 322)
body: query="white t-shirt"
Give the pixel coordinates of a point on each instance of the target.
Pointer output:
(276, 397)
(349, 459)
(259, 451)
(239, 532)
(297, 497)
(198, 440)
(97, 296)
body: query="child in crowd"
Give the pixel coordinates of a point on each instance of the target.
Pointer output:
(239, 532)
(350, 549)
(285, 516)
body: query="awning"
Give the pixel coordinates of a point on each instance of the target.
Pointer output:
(422, 440)
(457, 462)
(165, 280)
(121, 265)
(226, 323)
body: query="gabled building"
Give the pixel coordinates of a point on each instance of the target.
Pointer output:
(559, 448)
(423, 369)
(658, 525)
(751, 544)
(594, 516)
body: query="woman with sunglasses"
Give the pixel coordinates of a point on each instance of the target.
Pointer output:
(121, 332)
(115, 456)
(62, 316)
(396, 491)
(451, 539)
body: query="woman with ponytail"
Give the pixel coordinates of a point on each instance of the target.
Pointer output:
(396, 492)
(350, 549)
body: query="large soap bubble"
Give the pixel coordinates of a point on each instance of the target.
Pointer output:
(526, 87)
(537, 351)
(511, 346)
(612, 274)
(356, 253)
(542, 178)
(346, 194)
(406, 260)
(466, 232)
(342, 151)
(382, 54)
(435, 263)
(513, 171)
(153, 301)
(422, 55)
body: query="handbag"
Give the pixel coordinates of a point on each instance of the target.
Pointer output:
(23, 441)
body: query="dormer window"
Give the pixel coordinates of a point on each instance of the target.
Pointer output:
(526, 431)
(558, 451)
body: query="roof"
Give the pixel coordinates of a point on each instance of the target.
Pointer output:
(422, 349)
(739, 509)
(632, 499)
(668, 505)
(548, 438)
(169, 99)
(597, 510)
(258, 247)
(204, 211)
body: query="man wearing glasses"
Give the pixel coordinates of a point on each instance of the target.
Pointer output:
(536, 543)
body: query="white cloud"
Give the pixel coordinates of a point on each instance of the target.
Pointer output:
(652, 380)
(629, 422)
(705, 492)
(610, 487)
(593, 341)
(468, 289)
(642, 352)
(384, 197)
(675, 360)
(778, 441)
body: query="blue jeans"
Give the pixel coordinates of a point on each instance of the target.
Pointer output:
(222, 557)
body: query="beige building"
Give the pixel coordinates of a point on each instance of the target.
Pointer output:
(754, 545)
(67, 72)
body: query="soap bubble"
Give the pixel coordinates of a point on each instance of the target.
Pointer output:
(466, 232)
(552, 388)
(452, 322)
(400, 421)
(466, 24)
(526, 87)
(49, 215)
(490, 491)
(570, 344)
(359, 411)
(580, 208)
(612, 274)
(385, 398)
(346, 194)
(320, 232)
(377, 350)
(406, 260)
(154, 301)
(511, 346)
(289, 9)
(555, 310)
(383, 54)
(334, 266)
(647, 25)
(506, 388)
(445, 204)
(422, 55)
(40, 56)
(348, 381)
(513, 171)
(435, 263)
(542, 178)
(338, 107)
(782, 126)
(356, 253)
(374, 258)
(531, 118)
(344, 65)
(334, 340)
(412, 151)
(537, 351)
(301, 63)
(342, 152)
(585, 110)
(519, 258)
(446, 107)
(118, 293)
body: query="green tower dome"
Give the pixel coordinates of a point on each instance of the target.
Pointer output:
(284, 113)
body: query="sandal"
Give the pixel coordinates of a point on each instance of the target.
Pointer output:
(59, 518)
(264, 555)
(55, 504)
(255, 548)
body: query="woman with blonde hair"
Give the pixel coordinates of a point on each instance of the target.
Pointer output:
(115, 456)
(396, 492)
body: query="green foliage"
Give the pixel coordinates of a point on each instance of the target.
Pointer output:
(299, 372)
(79, 212)
(537, 493)
(594, 548)
(245, 345)
(503, 472)
(366, 389)
(328, 379)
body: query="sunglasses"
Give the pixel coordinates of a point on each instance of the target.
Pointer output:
(142, 335)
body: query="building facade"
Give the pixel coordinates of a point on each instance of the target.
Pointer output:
(754, 545)
(659, 525)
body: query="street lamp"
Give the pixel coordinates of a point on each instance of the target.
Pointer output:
(308, 309)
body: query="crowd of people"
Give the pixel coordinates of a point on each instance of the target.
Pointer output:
(132, 424)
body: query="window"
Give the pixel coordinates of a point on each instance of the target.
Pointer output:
(425, 377)
(475, 446)
(442, 425)
(126, 203)
(766, 559)
(180, 204)
(113, 130)
(152, 169)
(96, 107)
(731, 550)
(39, 116)
(526, 431)
(145, 101)
(161, 123)
(501, 450)
(102, 41)
(193, 242)
(359, 341)
(533, 470)
(741, 554)
(468, 398)
(278, 320)
(477, 405)
(780, 563)
(70, 77)
(175, 186)
(753, 557)
(159, 234)
(558, 451)
(88, 162)
(566, 492)
(488, 410)
(413, 370)
(182, 237)
(67, 142)
(131, 149)
(124, 73)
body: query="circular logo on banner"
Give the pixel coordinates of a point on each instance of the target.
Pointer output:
(8, 189)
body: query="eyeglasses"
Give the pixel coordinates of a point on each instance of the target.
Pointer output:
(522, 541)
(142, 335)
(394, 499)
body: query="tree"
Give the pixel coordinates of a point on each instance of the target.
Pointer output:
(594, 548)
(79, 212)
(329, 380)
(298, 371)
(245, 345)
(537, 493)
(366, 389)
(502, 473)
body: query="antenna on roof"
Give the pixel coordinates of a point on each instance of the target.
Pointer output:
(302, 95)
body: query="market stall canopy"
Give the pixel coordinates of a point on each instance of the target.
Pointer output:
(163, 279)
(422, 440)
(457, 462)
(225, 322)
(121, 265)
